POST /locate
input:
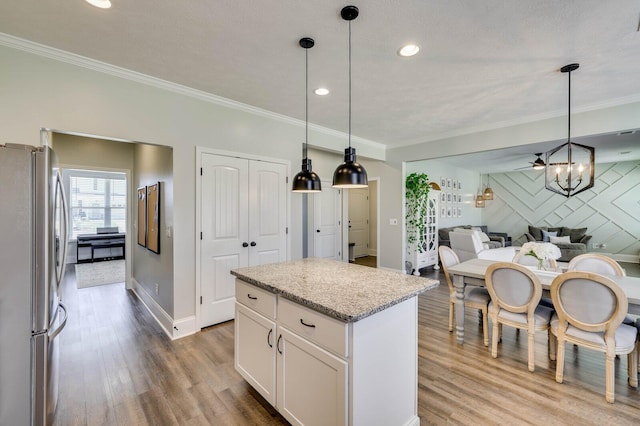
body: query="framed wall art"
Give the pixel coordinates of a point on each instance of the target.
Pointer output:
(153, 217)
(142, 216)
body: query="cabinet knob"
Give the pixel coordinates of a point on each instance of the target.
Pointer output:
(317, 230)
(269, 338)
(253, 243)
(245, 244)
(278, 344)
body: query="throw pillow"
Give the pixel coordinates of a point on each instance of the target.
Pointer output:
(575, 234)
(537, 232)
(547, 234)
(560, 240)
(484, 237)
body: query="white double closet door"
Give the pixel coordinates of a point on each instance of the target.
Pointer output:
(243, 223)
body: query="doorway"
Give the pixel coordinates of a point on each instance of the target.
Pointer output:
(363, 224)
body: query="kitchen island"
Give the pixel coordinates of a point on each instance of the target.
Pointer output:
(328, 342)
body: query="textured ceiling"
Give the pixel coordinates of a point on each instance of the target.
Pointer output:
(482, 64)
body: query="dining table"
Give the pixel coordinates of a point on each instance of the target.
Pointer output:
(472, 272)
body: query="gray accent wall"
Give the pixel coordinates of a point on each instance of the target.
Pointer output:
(610, 210)
(155, 164)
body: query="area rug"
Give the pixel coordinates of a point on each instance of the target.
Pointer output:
(100, 273)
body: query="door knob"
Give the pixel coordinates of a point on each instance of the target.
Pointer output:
(245, 244)
(253, 243)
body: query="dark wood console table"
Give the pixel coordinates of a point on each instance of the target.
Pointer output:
(97, 247)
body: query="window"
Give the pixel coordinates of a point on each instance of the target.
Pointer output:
(96, 199)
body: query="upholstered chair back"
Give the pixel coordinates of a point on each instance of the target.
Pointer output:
(448, 258)
(588, 301)
(522, 259)
(513, 287)
(466, 243)
(594, 262)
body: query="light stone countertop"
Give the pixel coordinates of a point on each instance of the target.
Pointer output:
(341, 290)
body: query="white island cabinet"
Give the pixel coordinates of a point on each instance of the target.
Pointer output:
(330, 343)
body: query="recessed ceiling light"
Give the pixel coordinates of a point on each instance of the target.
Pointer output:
(102, 4)
(408, 50)
(321, 91)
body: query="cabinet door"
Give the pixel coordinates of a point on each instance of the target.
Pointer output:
(255, 356)
(312, 383)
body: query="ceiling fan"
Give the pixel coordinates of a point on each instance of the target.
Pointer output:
(537, 164)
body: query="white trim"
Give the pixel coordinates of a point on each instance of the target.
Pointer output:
(184, 327)
(162, 318)
(103, 67)
(372, 252)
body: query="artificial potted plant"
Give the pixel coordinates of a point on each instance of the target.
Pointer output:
(416, 198)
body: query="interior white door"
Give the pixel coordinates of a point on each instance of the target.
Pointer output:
(224, 219)
(243, 223)
(359, 220)
(267, 213)
(327, 209)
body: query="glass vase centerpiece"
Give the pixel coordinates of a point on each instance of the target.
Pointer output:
(543, 252)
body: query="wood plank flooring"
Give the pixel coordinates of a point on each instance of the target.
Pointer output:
(118, 368)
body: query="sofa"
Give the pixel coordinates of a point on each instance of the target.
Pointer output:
(492, 239)
(568, 250)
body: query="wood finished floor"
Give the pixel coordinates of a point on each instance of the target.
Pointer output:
(118, 368)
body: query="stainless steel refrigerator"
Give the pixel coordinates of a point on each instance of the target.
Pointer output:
(33, 231)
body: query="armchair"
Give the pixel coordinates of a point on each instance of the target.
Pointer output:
(467, 244)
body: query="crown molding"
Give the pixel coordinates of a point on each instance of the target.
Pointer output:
(113, 70)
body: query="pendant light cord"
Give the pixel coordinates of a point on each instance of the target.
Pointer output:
(349, 85)
(306, 102)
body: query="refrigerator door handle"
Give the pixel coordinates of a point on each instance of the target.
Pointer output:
(63, 322)
(65, 233)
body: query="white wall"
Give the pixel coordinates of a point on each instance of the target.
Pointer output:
(437, 169)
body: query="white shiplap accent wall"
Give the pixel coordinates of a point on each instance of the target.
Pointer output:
(610, 210)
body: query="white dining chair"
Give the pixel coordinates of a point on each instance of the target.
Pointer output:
(598, 263)
(589, 312)
(475, 297)
(515, 295)
(523, 259)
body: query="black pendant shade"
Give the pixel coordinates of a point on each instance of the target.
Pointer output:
(306, 180)
(350, 174)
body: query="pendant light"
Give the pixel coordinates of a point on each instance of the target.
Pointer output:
(350, 174)
(306, 180)
(569, 167)
(487, 195)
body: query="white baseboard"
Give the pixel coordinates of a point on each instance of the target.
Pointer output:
(174, 329)
(415, 421)
(163, 319)
(184, 327)
(372, 252)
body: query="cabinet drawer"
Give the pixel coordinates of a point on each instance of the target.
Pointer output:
(321, 329)
(256, 298)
